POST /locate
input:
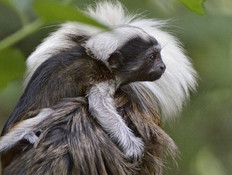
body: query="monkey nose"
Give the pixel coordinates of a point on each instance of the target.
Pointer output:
(162, 67)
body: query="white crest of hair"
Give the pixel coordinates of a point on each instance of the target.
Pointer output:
(169, 93)
(106, 43)
(23, 130)
(172, 90)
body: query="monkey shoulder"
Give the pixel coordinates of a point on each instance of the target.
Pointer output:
(70, 69)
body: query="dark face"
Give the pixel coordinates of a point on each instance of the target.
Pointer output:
(138, 60)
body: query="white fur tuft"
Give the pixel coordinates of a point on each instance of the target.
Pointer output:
(105, 43)
(169, 93)
(23, 130)
(110, 14)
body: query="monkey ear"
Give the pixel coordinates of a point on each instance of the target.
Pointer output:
(115, 60)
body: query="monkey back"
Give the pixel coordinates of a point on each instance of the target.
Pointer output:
(72, 142)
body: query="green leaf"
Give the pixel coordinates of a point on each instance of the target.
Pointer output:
(20, 5)
(194, 5)
(12, 66)
(53, 12)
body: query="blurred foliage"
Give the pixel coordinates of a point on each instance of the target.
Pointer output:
(206, 163)
(203, 133)
(194, 5)
(11, 66)
(56, 15)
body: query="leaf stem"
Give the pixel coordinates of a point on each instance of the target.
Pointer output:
(23, 18)
(20, 34)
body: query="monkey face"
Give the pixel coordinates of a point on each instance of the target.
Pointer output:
(154, 66)
(138, 60)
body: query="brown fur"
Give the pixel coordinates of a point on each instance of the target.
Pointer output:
(72, 142)
(66, 75)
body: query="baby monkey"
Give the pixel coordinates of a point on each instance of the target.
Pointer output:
(96, 67)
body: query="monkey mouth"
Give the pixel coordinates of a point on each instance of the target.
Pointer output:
(155, 76)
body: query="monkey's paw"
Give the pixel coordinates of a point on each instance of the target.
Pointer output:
(135, 148)
(31, 137)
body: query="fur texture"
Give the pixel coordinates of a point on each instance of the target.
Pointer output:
(101, 106)
(72, 142)
(169, 93)
(23, 130)
(59, 148)
(63, 75)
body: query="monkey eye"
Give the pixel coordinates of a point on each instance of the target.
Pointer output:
(152, 57)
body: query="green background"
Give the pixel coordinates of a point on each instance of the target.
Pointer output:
(204, 130)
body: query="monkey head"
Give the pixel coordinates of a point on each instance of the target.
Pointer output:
(130, 53)
(138, 60)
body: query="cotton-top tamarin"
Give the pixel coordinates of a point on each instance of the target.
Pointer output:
(110, 69)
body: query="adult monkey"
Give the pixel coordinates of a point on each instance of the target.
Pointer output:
(70, 141)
